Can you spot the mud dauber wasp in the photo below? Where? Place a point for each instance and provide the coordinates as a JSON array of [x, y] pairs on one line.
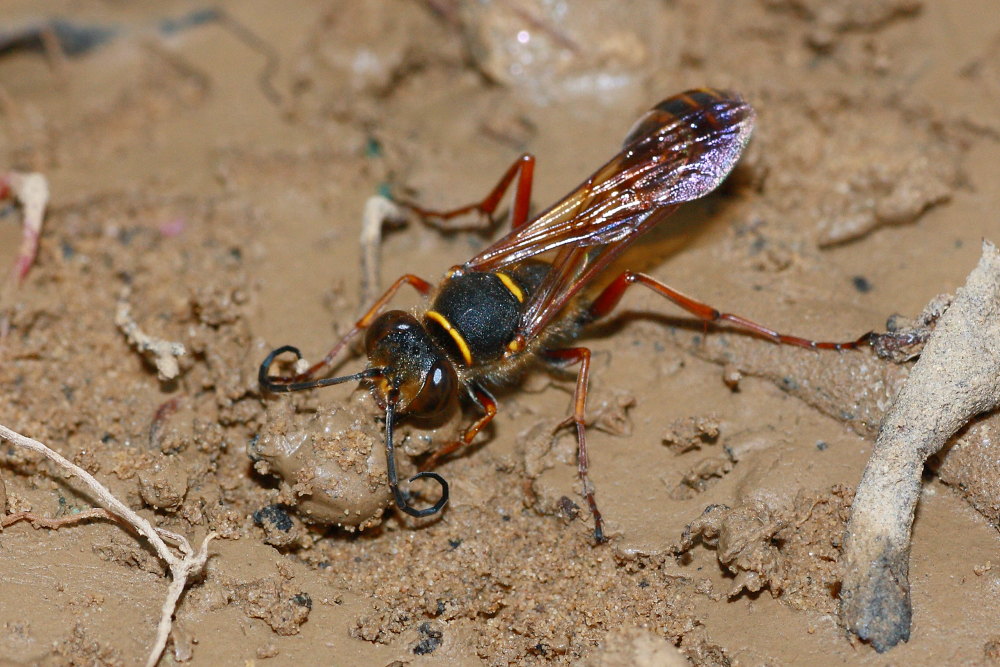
[[505, 307]]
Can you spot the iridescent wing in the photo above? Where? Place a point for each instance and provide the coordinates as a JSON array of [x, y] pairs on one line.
[[680, 150]]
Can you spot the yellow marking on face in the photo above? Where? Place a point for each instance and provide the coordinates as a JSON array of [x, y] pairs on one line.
[[509, 283], [455, 335]]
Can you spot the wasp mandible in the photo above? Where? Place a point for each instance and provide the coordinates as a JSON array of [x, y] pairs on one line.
[[519, 300]]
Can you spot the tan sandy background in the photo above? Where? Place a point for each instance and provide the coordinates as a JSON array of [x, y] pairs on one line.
[[216, 162]]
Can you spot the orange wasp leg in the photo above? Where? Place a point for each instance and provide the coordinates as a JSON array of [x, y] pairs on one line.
[[489, 405], [581, 355], [613, 293], [603, 305], [523, 168], [416, 282]]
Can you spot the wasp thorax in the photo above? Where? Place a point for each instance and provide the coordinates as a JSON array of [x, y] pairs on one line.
[[412, 366]]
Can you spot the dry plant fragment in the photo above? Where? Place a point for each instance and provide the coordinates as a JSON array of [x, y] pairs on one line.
[[163, 353], [45, 522], [379, 212], [956, 378], [32, 190], [905, 338], [181, 568]]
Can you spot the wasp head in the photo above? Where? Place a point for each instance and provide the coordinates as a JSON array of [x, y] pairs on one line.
[[413, 372]]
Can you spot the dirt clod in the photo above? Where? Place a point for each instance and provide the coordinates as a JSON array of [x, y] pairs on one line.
[[331, 463], [691, 433], [165, 485], [276, 601], [792, 551]]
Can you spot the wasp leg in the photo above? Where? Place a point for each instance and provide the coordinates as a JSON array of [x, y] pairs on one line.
[[489, 405], [523, 168], [581, 355], [417, 283], [612, 294]]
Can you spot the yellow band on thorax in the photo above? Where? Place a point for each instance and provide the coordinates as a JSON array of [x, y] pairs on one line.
[[509, 283], [455, 335]]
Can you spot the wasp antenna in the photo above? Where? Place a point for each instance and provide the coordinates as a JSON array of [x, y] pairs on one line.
[[285, 384], [390, 461]]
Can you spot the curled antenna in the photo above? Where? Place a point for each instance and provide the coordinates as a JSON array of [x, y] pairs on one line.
[[298, 383], [402, 502], [284, 384]]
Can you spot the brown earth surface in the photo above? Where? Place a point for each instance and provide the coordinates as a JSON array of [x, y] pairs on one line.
[[210, 168]]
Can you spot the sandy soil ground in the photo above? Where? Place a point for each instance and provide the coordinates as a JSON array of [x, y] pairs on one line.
[[210, 167]]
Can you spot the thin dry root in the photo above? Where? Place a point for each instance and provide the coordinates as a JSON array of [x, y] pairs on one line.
[[32, 190], [956, 378], [181, 568], [163, 353], [379, 212], [39, 521]]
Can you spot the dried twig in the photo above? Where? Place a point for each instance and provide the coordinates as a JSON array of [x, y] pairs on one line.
[[181, 568], [379, 211], [39, 521], [163, 353], [32, 190], [956, 378]]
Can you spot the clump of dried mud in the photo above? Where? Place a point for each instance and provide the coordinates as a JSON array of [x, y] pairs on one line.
[[792, 552]]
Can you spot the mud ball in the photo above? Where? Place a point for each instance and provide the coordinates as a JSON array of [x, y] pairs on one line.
[[331, 462], [165, 485]]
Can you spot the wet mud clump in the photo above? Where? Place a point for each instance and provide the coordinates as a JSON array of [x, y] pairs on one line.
[[331, 462]]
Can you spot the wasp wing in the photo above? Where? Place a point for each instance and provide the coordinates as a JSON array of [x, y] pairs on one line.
[[572, 269], [680, 150]]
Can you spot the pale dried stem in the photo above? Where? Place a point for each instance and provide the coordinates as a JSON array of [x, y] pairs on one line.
[[163, 353], [956, 378], [39, 521], [181, 568], [32, 191], [379, 212]]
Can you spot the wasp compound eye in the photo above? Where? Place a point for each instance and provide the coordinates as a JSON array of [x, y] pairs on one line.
[[411, 365], [438, 392]]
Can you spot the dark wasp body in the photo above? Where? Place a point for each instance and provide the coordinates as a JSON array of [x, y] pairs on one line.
[[507, 306], [464, 339]]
